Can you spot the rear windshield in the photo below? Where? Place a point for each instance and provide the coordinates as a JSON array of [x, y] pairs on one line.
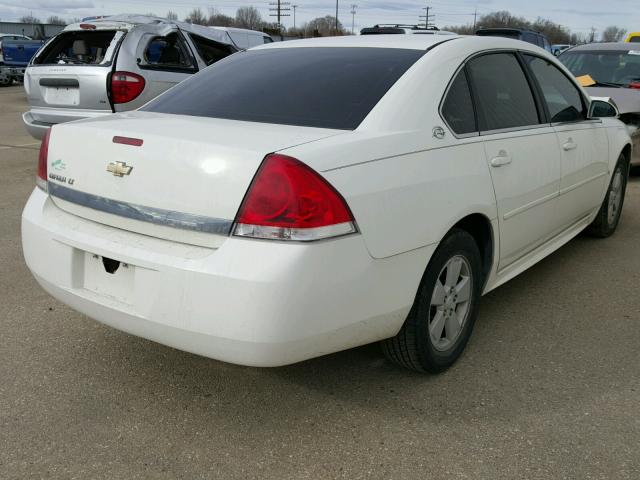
[[78, 48], [312, 87]]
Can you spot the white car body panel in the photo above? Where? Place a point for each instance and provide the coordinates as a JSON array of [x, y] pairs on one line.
[[407, 178]]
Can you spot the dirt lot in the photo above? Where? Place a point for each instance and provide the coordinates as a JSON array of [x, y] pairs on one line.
[[549, 386]]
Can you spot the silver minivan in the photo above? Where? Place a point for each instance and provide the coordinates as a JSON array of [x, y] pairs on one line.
[[114, 64]]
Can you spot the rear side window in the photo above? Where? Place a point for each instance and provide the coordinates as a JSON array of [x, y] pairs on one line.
[[313, 87], [209, 50], [457, 108], [169, 52], [562, 97], [503, 96], [79, 48]]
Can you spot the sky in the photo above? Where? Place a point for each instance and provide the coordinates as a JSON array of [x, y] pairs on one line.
[[577, 15]]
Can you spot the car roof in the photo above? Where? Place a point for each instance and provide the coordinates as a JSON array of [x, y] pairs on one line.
[[466, 43], [624, 46], [411, 42], [506, 30]]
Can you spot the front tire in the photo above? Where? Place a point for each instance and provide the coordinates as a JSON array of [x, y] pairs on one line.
[[445, 309], [608, 216]]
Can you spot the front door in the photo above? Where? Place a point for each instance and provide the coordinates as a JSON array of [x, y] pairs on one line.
[[583, 143]]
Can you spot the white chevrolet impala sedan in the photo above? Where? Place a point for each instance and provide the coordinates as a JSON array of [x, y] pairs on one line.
[[310, 196]]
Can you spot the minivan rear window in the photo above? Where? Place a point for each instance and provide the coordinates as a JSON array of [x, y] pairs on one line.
[[325, 87], [78, 48]]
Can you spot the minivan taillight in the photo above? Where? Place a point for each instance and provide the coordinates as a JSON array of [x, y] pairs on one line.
[[125, 86], [287, 200], [41, 179]]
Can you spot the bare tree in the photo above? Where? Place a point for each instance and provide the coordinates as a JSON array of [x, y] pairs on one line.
[[249, 17], [171, 15], [591, 37], [555, 32], [29, 19], [196, 17], [55, 20], [613, 33], [323, 27], [217, 19]]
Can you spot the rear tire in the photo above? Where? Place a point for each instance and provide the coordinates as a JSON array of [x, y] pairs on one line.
[[608, 216], [445, 309]]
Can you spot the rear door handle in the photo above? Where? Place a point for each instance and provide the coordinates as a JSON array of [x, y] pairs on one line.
[[570, 145], [503, 158]]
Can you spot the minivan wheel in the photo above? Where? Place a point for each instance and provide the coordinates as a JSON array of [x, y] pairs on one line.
[[608, 216], [441, 320]]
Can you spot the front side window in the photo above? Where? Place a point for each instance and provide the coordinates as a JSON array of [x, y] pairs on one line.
[[168, 52], [503, 95], [321, 87], [457, 108], [209, 50], [562, 97]]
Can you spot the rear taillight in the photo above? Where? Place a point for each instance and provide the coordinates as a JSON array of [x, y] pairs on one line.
[[635, 85], [288, 200], [41, 179], [126, 86]]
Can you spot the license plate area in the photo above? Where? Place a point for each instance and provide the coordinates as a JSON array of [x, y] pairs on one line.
[[109, 277], [62, 95]]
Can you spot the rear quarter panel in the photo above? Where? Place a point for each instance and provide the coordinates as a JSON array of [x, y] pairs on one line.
[[405, 187]]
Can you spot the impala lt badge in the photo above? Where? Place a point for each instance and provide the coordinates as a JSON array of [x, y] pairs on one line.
[[119, 169]]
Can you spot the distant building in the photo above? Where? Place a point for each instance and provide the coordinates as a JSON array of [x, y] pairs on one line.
[[37, 31]]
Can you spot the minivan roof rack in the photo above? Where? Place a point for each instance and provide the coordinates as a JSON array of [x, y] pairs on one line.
[[402, 25]]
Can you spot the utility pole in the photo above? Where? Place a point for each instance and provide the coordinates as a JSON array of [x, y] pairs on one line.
[[294, 15], [353, 16], [475, 16], [336, 17], [427, 17], [281, 9]]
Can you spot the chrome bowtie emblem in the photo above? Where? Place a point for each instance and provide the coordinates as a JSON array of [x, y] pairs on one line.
[[119, 169]]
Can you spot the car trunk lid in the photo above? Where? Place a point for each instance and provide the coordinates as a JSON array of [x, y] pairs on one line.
[[169, 176]]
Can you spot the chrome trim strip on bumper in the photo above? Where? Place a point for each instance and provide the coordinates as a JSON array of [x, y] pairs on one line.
[[169, 218]]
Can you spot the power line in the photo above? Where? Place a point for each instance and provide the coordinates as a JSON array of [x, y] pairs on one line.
[[427, 17], [353, 16], [280, 7]]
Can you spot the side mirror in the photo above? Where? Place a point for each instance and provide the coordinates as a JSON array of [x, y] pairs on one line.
[[602, 108]]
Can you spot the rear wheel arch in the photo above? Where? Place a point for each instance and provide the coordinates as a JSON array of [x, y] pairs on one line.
[[479, 227], [626, 151]]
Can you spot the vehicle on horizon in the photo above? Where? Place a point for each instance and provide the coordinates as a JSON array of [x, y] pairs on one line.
[[558, 48], [396, 28], [113, 64], [19, 48], [529, 36], [614, 70], [384, 187], [633, 37]]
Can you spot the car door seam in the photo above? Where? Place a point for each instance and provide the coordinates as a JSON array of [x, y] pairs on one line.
[[530, 205]]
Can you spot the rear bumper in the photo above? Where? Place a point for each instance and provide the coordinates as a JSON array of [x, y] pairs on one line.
[[249, 302], [38, 120]]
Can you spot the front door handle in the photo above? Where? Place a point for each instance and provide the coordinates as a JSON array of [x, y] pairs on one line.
[[570, 145], [503, 158]]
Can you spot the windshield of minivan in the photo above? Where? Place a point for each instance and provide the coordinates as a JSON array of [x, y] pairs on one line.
[[616, 68], [78, 48], [314, 87]]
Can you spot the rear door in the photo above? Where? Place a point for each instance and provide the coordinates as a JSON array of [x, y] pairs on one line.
[[584, 144], [71, 71], [522, 153]]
